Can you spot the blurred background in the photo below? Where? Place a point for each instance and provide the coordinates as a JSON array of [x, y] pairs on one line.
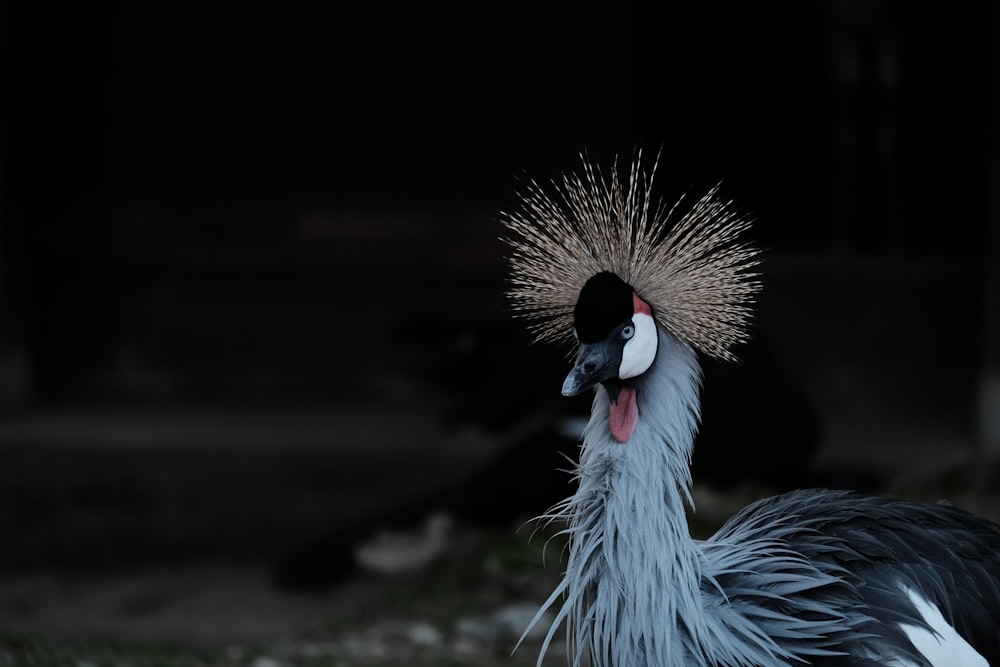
[[251, 307]]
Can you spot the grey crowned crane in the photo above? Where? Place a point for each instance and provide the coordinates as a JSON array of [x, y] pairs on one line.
[[811, 577]]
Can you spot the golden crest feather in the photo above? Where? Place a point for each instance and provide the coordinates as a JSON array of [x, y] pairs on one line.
[[696, 273]]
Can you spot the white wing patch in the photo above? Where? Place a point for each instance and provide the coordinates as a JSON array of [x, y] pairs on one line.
[[944, 647]]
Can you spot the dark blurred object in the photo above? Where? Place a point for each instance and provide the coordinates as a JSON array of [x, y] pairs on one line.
[[520, 483], [756, 424]]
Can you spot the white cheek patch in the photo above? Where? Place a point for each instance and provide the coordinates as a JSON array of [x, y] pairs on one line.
[[640, 350]]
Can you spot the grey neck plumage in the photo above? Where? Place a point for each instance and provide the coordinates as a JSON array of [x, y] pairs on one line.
[[632, 561]]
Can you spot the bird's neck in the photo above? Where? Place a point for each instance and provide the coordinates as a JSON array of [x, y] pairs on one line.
[[632, 562]]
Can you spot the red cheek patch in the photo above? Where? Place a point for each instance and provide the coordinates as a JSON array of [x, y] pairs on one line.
[[624, 415]]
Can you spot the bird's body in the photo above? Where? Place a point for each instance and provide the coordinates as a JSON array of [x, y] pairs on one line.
[[811, 577]]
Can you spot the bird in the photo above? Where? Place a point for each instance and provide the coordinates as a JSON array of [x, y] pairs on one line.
[[637, 290]]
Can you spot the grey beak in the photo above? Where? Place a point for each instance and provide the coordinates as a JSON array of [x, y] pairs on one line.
[[594, 363]]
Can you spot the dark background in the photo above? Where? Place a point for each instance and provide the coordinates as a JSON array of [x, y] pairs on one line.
[[173, 175], [290, 210]]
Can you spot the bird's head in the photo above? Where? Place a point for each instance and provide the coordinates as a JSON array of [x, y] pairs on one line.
[[598, 256], [615, 333]]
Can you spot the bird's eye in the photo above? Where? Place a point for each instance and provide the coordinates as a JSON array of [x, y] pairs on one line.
[[628, 331]]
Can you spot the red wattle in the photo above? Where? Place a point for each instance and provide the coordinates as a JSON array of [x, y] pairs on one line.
[[624, 415]]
